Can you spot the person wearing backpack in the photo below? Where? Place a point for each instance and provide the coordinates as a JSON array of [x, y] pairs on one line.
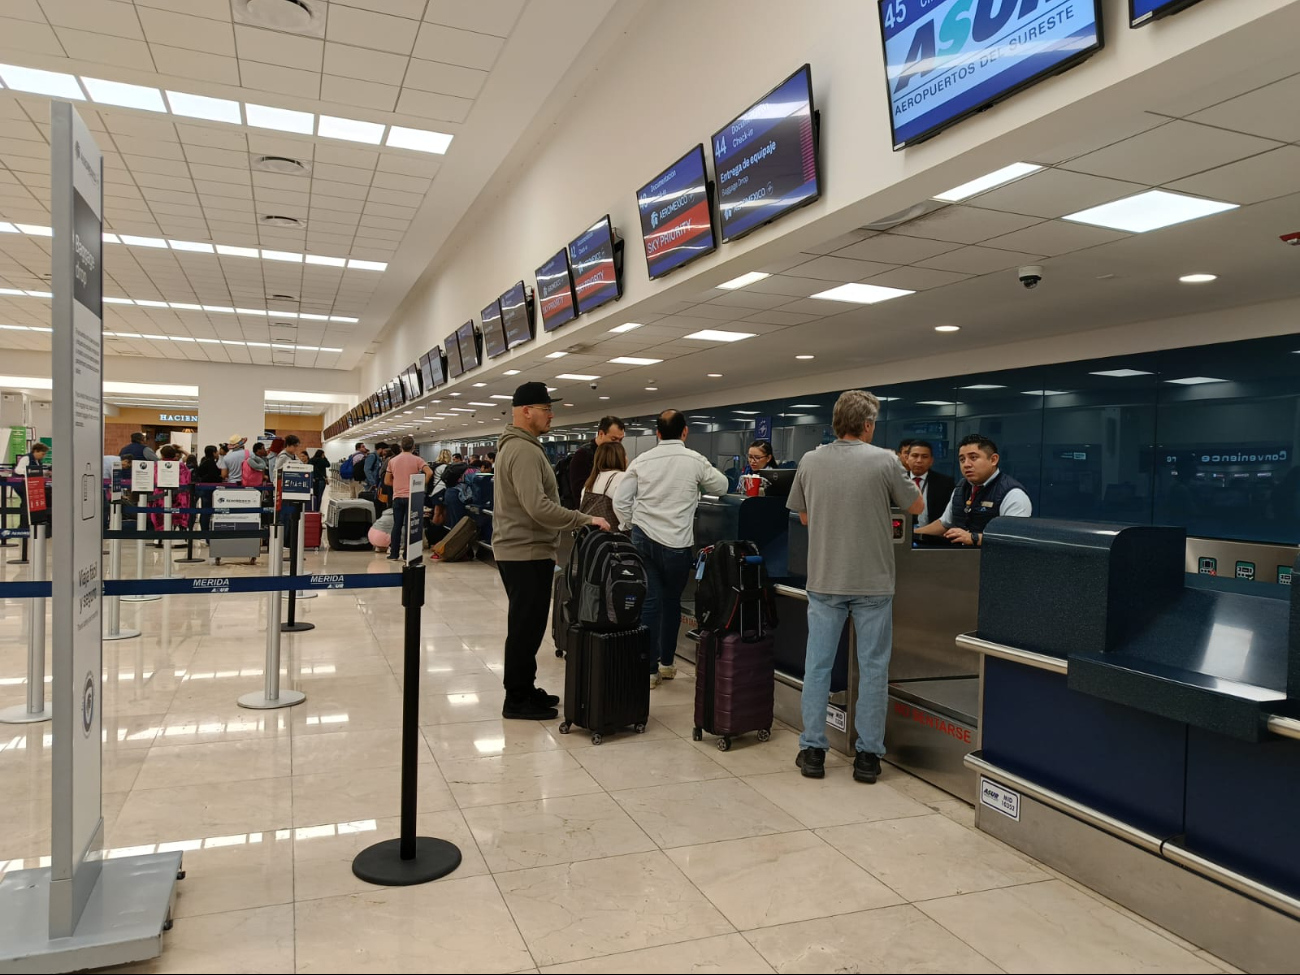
[[353, 469], [528, 519], [607, 472]]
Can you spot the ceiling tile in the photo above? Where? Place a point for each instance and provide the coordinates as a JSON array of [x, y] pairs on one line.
[[398, 8], [1117, 128], [276, 47], [1055, 237], [348, 61], [346, 156], [964, 224], [836, 269], [485, 16], [1170, 152], [25, 10], [195, 64], [109, 17], [452, 46], [781, 318], [449, 79], [365, 28], [978, 260], [220, 137], [1056, 192], [842, 241], [745, 299], [86, 45], [185, 31], [363, 94], [917, 278], [30, 37], [895, 249], [1262, 177], [1270, 111], [429, 105], [280, 80], [197, 8], [396, 181]]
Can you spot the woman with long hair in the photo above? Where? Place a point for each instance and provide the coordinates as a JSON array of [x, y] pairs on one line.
[[208, 472], [320, 475], [608, 468]]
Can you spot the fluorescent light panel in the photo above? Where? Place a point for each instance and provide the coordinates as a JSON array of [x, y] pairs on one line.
[[983, 386], [862, 294], [56, 84], [1195, 380], [123, 95], [578, 377], [1122, 373], [217, 309], [745, 279], [632, 360], [1152, 210], [1045, 392], [987, 182], [626, 327], [205, 107], [719, 335]]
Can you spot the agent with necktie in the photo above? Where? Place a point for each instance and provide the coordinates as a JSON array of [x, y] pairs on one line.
[[984, 494], [936, 488]]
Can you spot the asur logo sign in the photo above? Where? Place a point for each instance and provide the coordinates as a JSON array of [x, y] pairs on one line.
[[966, 20]]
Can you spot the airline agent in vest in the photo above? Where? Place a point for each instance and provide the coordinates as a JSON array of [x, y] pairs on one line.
[[985, 494]]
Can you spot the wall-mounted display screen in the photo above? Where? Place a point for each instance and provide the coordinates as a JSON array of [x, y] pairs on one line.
[[386, 398], [676, 219], [376, 406], [951, 58], [766, 159], [454, 365], [399, 393], [437, 367], [468, 343], [595, 276], [426, 372], [494, 337], [1144, 11], [417, 386], [555, 292], [515, 317]]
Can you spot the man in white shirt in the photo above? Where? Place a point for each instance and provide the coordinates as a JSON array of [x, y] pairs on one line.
[[984, 494], [658, 498]]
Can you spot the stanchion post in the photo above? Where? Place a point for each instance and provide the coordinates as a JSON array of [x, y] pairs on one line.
[[35, 709], [301, 554], [141, 525], [409, 859], [292, 624], [113, 607], [271, 696], [195, 525], [167, 528]]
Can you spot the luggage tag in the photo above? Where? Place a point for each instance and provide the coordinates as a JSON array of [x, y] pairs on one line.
[[699, 570]]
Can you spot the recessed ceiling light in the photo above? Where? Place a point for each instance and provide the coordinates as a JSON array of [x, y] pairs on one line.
[[576, 376], [1122, 373], [715, 375], [746, 412], [8, 228], [997, 178], [355, 265], [626, 327], [935, 402], [556, 355], [327, 261], [806, 406], [479, 385], [204, 107], [568, 404], [604, 397], [226, 250], [652, 389], [482, 404], [1195, 380], [947, 328], [862, 294], [719, 335], [632, 360], [1045, 392], [123, 95], [501, 396], [195, 246], [184, 306], [1148, 211], [147, 303], [983, 386], [56, 84], [748, 278], [143, 241], [805, 357], [1198, 278], [280, 119], [350, 130], [421, 140], [36, 230], [462, 409]]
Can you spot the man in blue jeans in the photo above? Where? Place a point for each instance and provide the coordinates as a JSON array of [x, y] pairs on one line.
[[658, 497], [843, 492]]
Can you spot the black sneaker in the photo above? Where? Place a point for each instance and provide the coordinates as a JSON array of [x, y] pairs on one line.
[[812, 762], [542, 699], [866, 767], [528, 710]]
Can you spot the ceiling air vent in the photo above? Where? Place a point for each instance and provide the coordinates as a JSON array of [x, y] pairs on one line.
[[284, 165], [298, 16], [276, 220]]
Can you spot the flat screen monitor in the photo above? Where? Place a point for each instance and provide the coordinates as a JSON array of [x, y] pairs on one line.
[[426, 372], [676, 217], [1142, 12], [437, 367], [376, 406], [950, 59], [555, 292], [468, 343], [404, 384], [779, 480], [516, 317], [386, 396], [454, 366], [494, 336], [399, 394], [765, 159], [413, 374], [595, 271]]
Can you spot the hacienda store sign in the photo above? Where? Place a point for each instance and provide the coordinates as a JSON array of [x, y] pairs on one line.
[[178, 417]]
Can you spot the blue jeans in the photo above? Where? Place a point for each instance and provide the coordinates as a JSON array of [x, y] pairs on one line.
[[401, 510], [873, 622], [667, 572]]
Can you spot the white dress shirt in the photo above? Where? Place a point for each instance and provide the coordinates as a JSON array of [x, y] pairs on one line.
[[924, 517], [662, 489]]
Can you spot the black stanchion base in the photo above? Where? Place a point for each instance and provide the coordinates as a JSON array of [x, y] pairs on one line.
[[298, 627], [383, 864], [17, 562], [188, 561]]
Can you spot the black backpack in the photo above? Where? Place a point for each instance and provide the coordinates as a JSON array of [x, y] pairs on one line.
[[605, 581], [730, 574], [359, 468], [567, 499], [452, 473]]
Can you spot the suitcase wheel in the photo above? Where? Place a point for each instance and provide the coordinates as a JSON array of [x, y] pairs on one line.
[[559, 653], [764, 734], [639, 729], [597, 738], [697, 735], [564, 727], [724, 744]]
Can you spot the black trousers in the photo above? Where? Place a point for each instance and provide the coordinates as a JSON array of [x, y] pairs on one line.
[[528, 586]]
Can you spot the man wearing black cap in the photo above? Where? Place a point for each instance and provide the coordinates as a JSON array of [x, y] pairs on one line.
[[527, 519]]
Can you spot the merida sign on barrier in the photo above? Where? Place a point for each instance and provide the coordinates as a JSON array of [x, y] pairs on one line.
[[947, 59]]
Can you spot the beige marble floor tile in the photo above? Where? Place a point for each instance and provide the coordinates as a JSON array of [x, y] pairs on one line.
[[234, 873], [343, 750], [202, 811], [765, 880], [749, 756], [724, 953], [224, 721], [597, 907], [322, 855], [962, 813], [457, 926], [236, 942], [345, 795], [686, 813], [834, 800], [923, 857], [679, 717], [461, 707], [1050, 927], [1222, 965], [516, 778], [543, 832], [886, 940], [29, 775], [581, 738], [645, 763], [910, 786], [468, 740], [220, 761]]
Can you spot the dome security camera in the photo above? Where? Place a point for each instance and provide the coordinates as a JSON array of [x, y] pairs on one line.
[[1030, 276]]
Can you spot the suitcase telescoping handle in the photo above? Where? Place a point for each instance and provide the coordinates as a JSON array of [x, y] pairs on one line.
[[745, 595]]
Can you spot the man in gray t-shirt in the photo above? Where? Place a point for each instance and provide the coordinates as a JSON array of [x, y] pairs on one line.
[[232, 465], [843, 493]]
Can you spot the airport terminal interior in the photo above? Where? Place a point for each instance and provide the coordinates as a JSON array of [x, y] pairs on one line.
[[235, 737]]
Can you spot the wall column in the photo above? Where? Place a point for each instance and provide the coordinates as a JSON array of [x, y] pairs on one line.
[[231, 402]]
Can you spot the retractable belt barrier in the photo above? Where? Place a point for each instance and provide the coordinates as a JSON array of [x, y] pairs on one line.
[[158, 534], [218, 584]]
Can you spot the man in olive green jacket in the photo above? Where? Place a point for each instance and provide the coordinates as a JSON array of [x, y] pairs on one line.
[[527, 519]]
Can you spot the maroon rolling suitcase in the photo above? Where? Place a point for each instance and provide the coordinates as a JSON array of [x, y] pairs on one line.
[[311, 529], [735, 671]]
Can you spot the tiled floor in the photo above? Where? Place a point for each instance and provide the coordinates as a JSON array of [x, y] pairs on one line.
[[649, 853]]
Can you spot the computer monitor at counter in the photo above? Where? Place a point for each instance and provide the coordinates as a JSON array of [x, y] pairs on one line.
[[779, 481]]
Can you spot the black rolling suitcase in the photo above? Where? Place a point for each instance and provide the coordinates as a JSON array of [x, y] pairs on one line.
[[560, 621]]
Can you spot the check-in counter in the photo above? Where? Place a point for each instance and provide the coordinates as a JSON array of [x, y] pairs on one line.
[[1140, 727]]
